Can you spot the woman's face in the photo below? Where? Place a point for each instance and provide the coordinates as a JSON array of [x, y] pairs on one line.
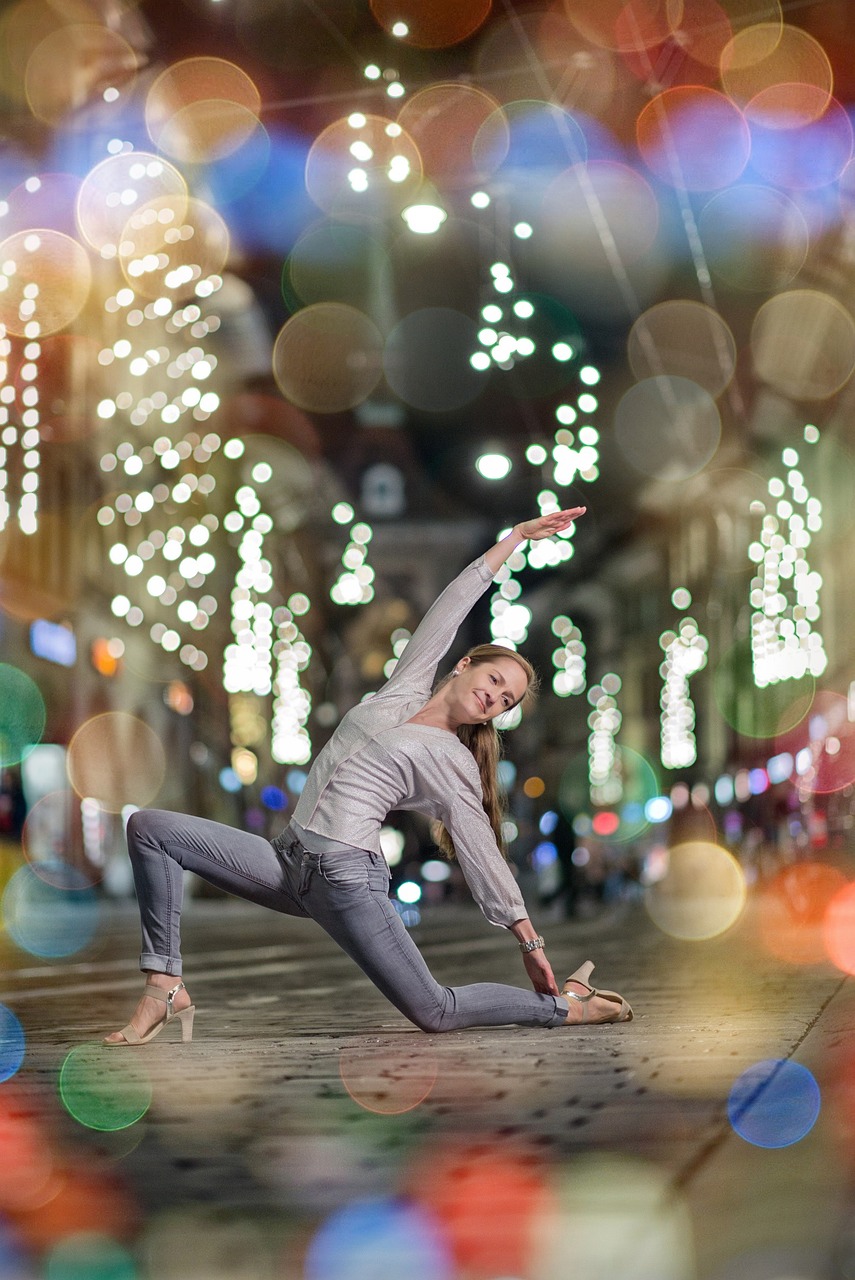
[[484, 690]]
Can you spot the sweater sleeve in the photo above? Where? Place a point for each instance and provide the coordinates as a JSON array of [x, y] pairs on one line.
[[416, 668], [485, 870]]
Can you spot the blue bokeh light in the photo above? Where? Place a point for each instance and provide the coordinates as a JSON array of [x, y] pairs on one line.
[[774, 1103], [548, 822], [45, 920], [12, 1043], [382, 1237], [658, 809], [229, 780], [274, 798], [543, 855]]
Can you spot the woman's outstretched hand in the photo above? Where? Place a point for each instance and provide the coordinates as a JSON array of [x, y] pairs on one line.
[[548, 525], [540, 972]]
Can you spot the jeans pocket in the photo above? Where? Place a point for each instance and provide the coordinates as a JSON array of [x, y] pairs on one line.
[[378, 880], [345, 873]]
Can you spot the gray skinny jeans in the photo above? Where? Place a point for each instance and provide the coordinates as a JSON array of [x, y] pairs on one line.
[[348, 896]]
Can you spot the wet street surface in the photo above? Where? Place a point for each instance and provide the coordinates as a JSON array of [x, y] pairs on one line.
[[303, 1092]]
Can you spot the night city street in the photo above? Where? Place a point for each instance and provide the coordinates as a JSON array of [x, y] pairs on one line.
[[426, 522]]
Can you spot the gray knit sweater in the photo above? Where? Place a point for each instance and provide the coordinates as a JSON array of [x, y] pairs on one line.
[[375, 763]]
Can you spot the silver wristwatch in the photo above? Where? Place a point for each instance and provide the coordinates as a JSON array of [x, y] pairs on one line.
[[533, 944]]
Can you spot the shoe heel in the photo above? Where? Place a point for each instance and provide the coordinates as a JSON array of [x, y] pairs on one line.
[[583, 973], [186, 1017]]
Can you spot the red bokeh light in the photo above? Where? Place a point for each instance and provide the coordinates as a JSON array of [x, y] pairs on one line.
[[792, 908], [489, 1204]]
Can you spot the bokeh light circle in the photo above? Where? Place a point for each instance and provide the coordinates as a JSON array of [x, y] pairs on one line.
[[758, 712], [616, 1216], [792, 908], [701, 895], [12, 1043], [336, 262], [52, 840], [626, 25], [47, 921], [785, 71], [623, 817], [667, 427], [754, 237], [594, 212], [117, 760], [803, 344], [45, 277], [532, 139], [169, 244], [387, 1082], [522, 55], [27, 1177], [685, 339], [464, 1185], [426, 360], [22, 714], [72, 63], [693, 137], [363, 165], [691, 52], [443, 121], [829, 735], [119, 185], [802, 157], [380, 1236], [774, 1103], [431, 26], [43, 200], [202, 109], [88, 1255], [102, 1090], [838, 929], [328, 357]]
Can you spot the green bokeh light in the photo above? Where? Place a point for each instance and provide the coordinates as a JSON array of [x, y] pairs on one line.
[[89, 1256], [22, 714], [758, 713], [639, 784], [102, 1089]]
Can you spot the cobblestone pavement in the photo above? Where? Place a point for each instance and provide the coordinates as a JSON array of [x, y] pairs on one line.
[[303, 1092]]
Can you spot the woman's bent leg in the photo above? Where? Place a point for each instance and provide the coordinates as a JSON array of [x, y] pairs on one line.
[[366, 925], [163, 845]]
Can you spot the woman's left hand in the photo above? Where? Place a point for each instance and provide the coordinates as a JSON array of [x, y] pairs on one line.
[[540, 972], [548, 525]]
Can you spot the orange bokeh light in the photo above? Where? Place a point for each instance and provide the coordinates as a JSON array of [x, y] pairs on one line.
[[839, 929], [792, 908]]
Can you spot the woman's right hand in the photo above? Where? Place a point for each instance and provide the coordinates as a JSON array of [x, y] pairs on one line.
[[548, 525]]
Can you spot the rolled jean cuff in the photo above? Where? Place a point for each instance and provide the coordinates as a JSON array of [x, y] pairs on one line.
[[562, 1008], [160, 964]]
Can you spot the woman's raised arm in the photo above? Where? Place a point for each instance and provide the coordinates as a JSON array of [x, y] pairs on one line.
[[541, 527]]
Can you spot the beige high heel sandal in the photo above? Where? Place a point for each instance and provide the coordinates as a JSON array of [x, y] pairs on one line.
[[185, 1016], [623, 1013]]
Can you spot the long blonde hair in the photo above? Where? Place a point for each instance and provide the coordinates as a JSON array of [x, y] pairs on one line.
[[485, 744]]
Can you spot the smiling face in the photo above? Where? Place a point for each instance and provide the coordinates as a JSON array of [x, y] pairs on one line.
[[483, 690]]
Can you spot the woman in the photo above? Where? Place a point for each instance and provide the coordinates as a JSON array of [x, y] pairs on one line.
[[404, 748]]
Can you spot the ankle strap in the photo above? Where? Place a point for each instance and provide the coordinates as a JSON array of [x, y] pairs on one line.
[[157, 993]]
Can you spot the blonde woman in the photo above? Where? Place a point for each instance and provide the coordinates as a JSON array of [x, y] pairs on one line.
[[410, 746]]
